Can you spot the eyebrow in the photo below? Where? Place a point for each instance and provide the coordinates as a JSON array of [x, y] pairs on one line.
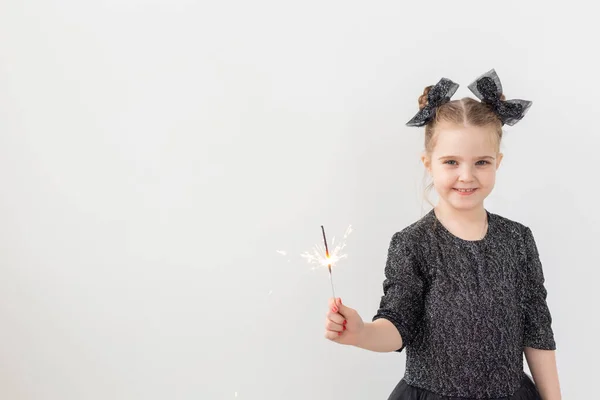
[[458, 157]]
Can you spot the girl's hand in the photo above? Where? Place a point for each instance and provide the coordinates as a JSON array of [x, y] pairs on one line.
[[343, 324]]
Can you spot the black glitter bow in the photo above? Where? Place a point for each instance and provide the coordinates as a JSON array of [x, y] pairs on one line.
[[439, 94], [488, 89]]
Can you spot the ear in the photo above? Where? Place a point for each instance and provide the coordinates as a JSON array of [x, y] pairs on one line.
[[426, 161], [499, 160]]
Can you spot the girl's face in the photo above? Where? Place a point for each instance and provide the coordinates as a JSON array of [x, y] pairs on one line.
[[464, 157]]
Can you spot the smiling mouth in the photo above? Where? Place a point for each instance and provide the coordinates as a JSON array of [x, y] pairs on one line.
[[465, 190]]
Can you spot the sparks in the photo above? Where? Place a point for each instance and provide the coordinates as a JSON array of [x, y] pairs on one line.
[[318, 257]]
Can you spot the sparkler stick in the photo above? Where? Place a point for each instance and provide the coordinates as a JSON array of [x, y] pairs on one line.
[[329, 261]]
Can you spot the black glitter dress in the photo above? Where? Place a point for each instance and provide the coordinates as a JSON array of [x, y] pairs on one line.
[[466, 310], [404, 391]]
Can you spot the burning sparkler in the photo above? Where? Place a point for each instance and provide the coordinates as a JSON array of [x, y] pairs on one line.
[[322, 257]]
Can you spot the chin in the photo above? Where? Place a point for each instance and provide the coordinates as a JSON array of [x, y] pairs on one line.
[[465, 203]]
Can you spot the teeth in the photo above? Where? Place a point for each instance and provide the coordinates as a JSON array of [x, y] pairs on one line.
[[465, 190]]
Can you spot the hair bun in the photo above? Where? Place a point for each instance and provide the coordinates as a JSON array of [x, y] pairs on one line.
[[423, 99]]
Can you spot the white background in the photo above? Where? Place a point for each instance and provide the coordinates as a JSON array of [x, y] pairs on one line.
[[155, 156]]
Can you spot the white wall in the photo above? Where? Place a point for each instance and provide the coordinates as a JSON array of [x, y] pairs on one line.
[[155, 155]]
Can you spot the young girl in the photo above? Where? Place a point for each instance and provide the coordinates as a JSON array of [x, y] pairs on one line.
[[464, 288]]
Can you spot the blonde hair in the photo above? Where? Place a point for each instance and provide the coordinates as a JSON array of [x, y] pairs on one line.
[[466, 111]]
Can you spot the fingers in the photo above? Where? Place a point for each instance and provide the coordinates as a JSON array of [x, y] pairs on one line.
[[335, 317], [335, 324], [332, 302], [332, 335], [335, 302], [333, 331], [335, 327], [336, 305], [334, 314]]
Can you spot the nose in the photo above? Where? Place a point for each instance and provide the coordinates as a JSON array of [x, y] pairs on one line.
[[466, 173]]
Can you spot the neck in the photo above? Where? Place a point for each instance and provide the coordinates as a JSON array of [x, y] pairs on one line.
[[468, 224], [471, 216]]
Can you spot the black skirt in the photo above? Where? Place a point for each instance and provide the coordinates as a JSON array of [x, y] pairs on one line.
[[404, 391]]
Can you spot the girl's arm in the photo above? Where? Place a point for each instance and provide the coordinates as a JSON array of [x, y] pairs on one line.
[[542, 364], [380, 336]]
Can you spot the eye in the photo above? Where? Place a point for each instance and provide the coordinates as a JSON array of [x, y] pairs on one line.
[[449, 162]]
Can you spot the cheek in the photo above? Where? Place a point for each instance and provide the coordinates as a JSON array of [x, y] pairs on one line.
[[487, 176], [445, 180], [446, 174]]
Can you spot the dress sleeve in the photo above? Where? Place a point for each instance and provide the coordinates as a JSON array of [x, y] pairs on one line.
[[538, 332], [402, 300]]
